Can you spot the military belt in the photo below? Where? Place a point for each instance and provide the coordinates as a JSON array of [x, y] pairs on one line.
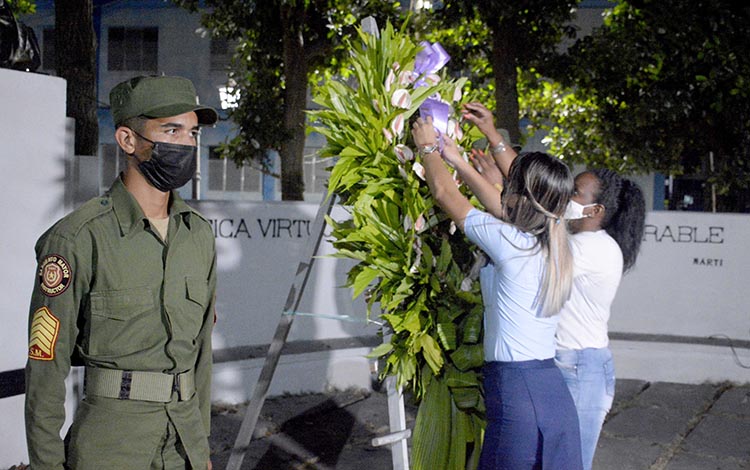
[[139, 385]]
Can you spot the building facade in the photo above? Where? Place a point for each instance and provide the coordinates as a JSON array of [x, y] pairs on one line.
[[146, 37]]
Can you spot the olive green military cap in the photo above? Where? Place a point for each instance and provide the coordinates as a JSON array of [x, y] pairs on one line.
[[157, 97]]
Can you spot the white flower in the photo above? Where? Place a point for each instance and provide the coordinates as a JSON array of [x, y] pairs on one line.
[[419, 170], [457, 94], [418, 250], [406, 77], [388, 135], [389, 80], [407, 223], [466, 284], [403, 173], [432, 78], [397, 126], [376, 105], [454, 130], [419, 224], [452, 228], [403, 153], [401, 99]]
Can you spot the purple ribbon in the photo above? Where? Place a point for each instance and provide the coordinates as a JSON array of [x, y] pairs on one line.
[[430, 59], [439, 112]]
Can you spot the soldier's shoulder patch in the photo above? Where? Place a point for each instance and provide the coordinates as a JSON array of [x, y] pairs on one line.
[[54, 275], [43, 335]]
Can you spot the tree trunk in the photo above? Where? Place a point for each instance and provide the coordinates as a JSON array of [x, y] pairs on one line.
[[295, 101], [503, 59], [75, 61]]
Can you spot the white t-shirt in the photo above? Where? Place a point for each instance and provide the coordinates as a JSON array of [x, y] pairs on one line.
[[598, 269], [514, 327]]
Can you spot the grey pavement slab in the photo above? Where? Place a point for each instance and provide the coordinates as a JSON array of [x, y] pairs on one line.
[[654, 424], [614, 453], [723, 436], [625, 391], [689, 398], [687, 461], [735, 401]]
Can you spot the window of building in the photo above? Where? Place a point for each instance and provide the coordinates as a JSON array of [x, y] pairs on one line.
[[222, 50], [316, 171], [133, 49], [48, 49], [225, 175]]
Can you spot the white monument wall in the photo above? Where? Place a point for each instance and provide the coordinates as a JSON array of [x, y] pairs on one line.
[[687, 294], [259, 247], [36, 144]]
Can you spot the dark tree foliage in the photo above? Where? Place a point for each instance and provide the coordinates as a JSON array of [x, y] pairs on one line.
[[282, 45], [490, 40], [671, 82]]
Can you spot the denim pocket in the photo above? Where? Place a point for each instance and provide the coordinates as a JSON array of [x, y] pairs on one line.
[[566, 361], [609, 376]]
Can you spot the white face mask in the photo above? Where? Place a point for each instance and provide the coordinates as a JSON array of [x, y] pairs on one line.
[[575, 210]]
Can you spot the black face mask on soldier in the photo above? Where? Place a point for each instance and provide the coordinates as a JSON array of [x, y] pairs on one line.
[[170, 165]]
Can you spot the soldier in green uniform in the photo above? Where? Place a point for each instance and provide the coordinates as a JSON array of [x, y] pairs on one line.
[[126, 288]]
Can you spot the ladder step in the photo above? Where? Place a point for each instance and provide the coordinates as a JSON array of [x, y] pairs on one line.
[[391, 438]]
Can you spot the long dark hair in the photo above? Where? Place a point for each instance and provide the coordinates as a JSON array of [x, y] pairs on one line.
[[542, 186], [624, 212]]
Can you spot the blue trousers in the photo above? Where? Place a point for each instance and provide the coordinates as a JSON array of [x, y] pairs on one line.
[[531, 419], [590, 376]]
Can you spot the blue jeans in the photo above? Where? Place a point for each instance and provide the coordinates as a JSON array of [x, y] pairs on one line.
[[531, 418], [590, 376]]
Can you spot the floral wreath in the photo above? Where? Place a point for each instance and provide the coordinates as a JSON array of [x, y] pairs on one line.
[[412, 264]]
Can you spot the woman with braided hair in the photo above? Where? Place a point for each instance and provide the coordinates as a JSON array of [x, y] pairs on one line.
[[606, 215]]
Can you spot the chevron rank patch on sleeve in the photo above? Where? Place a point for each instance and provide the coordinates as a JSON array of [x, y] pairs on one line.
[[43, 336]]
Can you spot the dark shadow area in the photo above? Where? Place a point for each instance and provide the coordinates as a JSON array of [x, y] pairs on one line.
[[314, 431], [12, 383], [319, 433]]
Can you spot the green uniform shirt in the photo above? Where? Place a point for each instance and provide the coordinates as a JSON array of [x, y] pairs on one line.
[[111, 294]]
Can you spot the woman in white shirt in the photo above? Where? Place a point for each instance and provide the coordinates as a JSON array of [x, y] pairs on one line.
[[606, 216], [531, 417]]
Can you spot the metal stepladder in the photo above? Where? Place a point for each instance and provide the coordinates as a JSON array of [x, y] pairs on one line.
[[396, 411]]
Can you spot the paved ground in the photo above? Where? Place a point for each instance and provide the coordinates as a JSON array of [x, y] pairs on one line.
[[652, 426]]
